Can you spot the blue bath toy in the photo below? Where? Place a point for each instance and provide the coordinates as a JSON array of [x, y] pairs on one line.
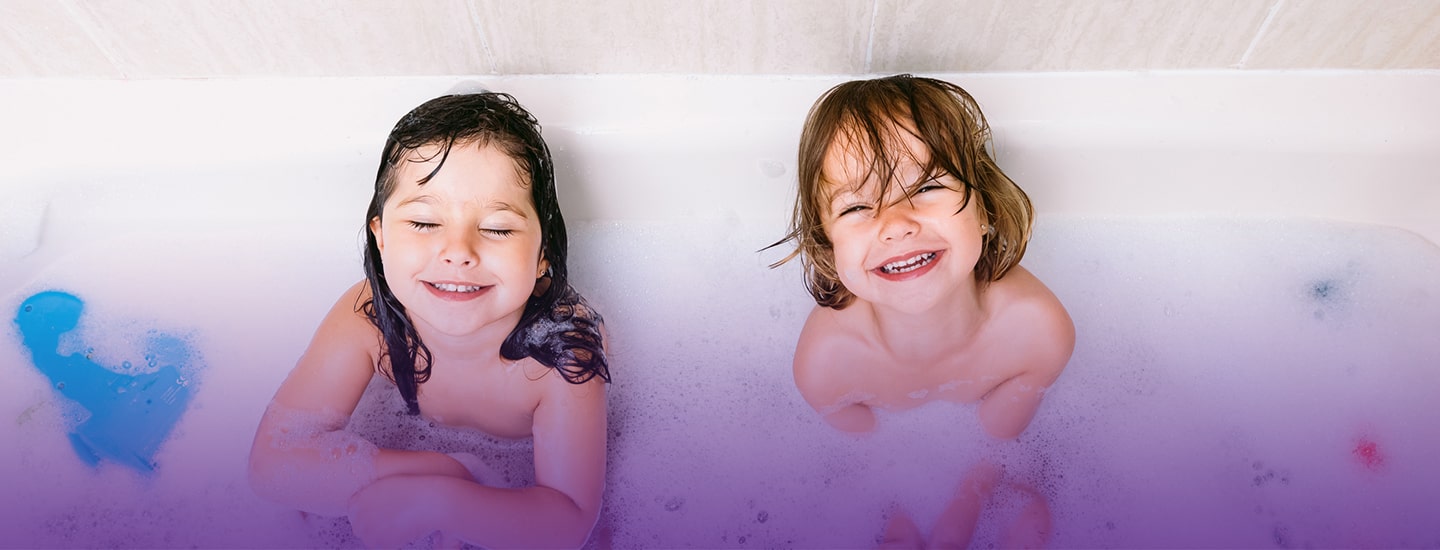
[[130, 415]]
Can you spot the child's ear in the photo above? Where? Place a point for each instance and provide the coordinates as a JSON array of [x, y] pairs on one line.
[[375, 230], [542, 279]]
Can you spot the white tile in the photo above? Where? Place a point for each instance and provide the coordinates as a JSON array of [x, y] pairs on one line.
[[201, 38], [183, 38], [40, 38], [658, 36], [1351, 34], [1055, 35]]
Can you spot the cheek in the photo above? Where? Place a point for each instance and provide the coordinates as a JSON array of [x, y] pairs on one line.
[[402, 252], [851, 276], [849, 259], [968, 243], [962, 230], [521, 259]]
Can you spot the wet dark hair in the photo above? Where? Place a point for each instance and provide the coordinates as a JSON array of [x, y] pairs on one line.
[[867, 116], [557, 327]]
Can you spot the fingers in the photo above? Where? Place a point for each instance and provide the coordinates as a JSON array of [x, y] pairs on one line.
[[1031, 529], [980, 481], [956, 524], [901, 533]]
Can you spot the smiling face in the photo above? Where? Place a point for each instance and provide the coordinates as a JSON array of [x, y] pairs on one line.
[[910, 249], [461, 252]]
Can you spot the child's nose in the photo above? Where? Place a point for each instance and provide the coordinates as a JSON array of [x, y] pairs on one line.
[[896, 222], [460, 249]]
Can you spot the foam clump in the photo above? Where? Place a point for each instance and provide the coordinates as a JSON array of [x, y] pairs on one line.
[[315, 465], [347, 445], [381, 418]]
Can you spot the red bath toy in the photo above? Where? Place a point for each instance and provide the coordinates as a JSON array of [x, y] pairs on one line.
[[1368, 453]]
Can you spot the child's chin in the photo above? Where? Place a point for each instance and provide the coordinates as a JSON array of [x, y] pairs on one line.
[[457, 331], [898, 300], [467, 327], [912, 308], [454, 327]]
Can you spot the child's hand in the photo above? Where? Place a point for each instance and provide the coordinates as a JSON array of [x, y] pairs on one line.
[[980, 480], [390, 513], [480, 472], [901, 533], [956, 524]]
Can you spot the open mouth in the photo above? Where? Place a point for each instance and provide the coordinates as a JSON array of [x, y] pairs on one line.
[[447, 287], [909, 267], [909, 264], [456, 291]]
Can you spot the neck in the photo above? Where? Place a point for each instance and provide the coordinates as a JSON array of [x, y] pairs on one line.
[[479, 347], [920, 338]]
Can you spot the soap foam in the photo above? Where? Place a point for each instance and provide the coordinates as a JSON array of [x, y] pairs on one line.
[[339, 462], [1228, 379]]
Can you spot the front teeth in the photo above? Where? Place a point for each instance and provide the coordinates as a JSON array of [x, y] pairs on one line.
[[447, 287], [908, 265]]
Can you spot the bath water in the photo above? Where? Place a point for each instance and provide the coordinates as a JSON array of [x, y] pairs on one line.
[[1235, 383]]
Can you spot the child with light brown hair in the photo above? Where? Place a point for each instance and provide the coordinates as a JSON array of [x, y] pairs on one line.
[[910, 238]]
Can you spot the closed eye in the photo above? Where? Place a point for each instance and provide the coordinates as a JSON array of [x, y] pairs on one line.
[[928, 185], [498, 232], [423, 226]]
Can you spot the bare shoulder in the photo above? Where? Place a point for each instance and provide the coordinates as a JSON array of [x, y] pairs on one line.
[[554, 391], [346, 329], [1031, 337], [1025, 306], [340, 359], [824, 358]]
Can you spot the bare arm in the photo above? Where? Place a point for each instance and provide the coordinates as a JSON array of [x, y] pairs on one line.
[[1007, 409], [559, 511], [302, 456], [815, 370]]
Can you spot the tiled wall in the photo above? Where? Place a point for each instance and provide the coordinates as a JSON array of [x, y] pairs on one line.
[[207, 38]]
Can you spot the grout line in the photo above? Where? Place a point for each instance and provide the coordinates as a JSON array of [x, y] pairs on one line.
[[480, 32], [1260, 33], [870, 41], [94, 34]]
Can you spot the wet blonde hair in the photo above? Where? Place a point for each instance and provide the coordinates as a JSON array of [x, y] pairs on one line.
[[866, 116]]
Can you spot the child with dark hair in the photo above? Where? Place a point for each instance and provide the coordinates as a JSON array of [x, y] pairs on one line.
[[467, 309], [910, 238]]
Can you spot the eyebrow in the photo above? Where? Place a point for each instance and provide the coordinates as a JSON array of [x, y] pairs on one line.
[[502, 205], [492, 205], [423, 199], [843, 200], [843, 195]]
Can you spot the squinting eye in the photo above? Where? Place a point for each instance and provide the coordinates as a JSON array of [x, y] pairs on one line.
[[423, 225], [852, 209], [928, 187]]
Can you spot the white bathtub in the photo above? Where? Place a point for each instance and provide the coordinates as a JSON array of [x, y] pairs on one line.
[[227, 211]]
